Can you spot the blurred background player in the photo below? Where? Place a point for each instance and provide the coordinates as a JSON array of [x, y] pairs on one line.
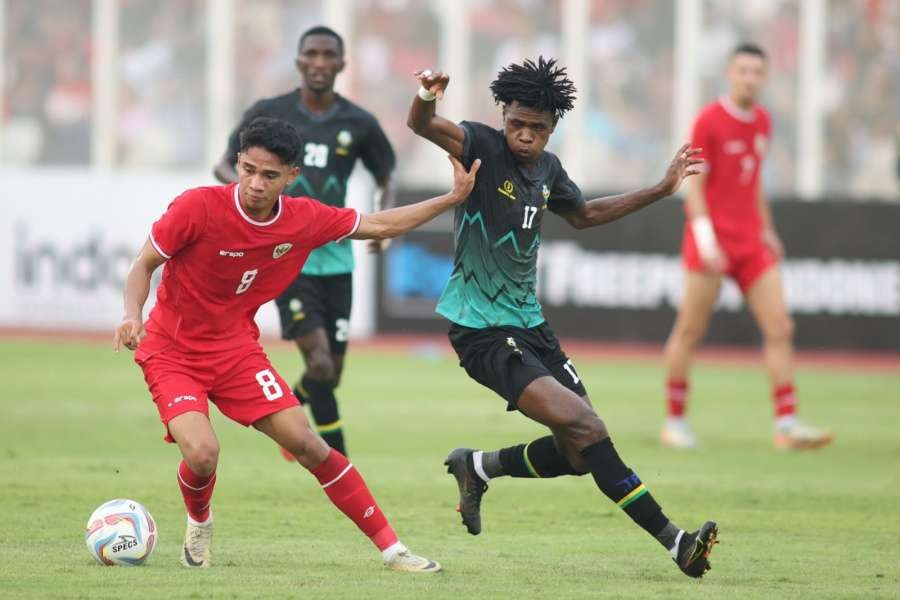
[[729, 231], [497, 325], [315, 309], [228, 250]]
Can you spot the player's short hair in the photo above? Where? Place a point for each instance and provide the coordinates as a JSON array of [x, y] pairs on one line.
[[277, 136], [748, 48], [542, 86], [321, 30]]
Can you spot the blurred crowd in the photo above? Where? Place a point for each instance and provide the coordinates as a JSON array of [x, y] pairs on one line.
[[863, 98], [47, 82], [627, 103]]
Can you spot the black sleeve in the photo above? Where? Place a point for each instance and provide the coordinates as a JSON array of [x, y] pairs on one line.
[[376, 152], [234, 142], [565, 195], [481, 142]]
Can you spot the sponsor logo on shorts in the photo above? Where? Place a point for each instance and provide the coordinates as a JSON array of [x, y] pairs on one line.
[[184, 398], [281, 249], [296, 308], [231, 253]]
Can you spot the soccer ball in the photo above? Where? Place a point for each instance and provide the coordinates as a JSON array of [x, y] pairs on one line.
[[120, 532]]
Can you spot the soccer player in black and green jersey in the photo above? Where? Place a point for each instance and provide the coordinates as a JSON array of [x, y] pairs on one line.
[[498, 329], [315, 309]]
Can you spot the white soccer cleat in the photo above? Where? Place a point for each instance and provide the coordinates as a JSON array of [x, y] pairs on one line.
[[677, 433], [197, 553], [406, 561], [801, 436]]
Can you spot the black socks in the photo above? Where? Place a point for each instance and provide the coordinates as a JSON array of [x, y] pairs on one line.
[[319, 395]]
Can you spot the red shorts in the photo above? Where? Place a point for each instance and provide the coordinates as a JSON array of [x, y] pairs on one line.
[[748, 258], [241, 382]]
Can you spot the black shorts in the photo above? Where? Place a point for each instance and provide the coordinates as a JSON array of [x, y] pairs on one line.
[[318, 302], [507, 359]]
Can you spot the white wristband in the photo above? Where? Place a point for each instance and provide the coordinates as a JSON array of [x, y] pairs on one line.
[[704, 236], [426, 95]]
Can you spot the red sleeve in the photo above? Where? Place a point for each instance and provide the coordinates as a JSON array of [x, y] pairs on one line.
[[331, 224], [702, 137], [766, 123], [180, 225]]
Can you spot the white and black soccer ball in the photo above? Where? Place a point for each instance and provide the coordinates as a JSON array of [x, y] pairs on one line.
[[120, 532]]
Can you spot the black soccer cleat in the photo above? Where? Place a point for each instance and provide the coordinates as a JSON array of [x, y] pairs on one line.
[[694, 549], [471, 488]]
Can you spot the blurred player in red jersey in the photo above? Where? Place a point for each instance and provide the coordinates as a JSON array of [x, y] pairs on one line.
[[729, 231], [228, 250]]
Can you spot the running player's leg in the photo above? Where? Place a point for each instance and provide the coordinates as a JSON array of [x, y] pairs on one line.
[[179, 384], [529, 369], [304, 311], [701, 289], [765, 297], [199, 447], [584, 437], [343, 485], [337, 300], [318, 384]]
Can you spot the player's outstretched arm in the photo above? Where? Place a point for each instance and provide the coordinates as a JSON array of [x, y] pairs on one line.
[[425, 122], [137, 287], [397, 221], [609, 208]]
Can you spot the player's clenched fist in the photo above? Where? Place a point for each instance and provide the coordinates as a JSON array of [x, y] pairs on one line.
[[434, 82], [129, 334]]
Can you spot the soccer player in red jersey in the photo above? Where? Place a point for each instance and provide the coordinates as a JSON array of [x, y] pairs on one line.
[[729, 231], [228, 250]]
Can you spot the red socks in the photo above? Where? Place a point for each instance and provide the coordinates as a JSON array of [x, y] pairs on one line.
[[785, 399], [346, 489], [676, 397], [197, 492]]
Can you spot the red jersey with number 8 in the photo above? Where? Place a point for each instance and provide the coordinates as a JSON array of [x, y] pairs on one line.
[[223, 265], [734, 143]]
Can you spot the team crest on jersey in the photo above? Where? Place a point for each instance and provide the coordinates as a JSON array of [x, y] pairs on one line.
[[508, 189], [281, 249], [759, 144], [545, 192], [344, 139]]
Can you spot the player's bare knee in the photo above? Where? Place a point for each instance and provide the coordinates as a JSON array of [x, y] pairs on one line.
[[309, 448], [780, 330], [586, 431], [201, 457], [690, 334], [320, 367]]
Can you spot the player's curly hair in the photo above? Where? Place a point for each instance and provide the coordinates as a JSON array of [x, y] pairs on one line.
[[277, 136], [543, 86]]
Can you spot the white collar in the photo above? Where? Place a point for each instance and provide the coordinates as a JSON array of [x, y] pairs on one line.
[[747, 116], [240, 209]]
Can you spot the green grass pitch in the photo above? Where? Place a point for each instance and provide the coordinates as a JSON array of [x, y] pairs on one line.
[[77, 428]]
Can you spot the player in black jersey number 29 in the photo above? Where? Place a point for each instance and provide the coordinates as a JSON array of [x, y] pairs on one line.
[[498, 329], [315, 309]]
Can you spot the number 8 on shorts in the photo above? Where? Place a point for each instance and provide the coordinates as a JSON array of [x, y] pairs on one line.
[[269, 384]]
